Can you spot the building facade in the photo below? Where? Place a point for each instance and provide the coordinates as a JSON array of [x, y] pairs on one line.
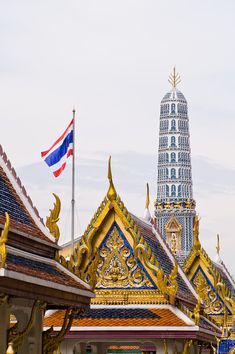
[[175, 206]]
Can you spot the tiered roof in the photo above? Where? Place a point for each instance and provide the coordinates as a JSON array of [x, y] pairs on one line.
[[136, 279], [29, 263]]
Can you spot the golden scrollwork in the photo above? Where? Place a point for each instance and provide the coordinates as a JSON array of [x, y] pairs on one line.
[[50, 343], [117, 267], [3, 240], [16, 337], [52, 220], [3, 299], [209, 296], [187, 345]]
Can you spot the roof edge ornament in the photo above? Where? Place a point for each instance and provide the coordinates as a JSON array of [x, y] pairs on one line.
[[218, 259], [3, 240], [197, 243], [147, 215], [111, 194], [174, 78], [53, 218]]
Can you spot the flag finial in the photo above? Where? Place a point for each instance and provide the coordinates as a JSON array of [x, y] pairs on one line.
[[111, 191], [174, 78]]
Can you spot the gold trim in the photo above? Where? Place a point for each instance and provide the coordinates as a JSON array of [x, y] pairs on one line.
[[52, 220], [3, 240], [15, 337]]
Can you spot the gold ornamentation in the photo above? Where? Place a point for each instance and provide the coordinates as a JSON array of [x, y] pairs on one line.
[[10, 349], [50, 343], [188, 204], [3, 299], [127, 296], [174, 78], [187, 345], [147, 198], [218, 245], [232, 304], [165, 343], [14, 337], [112, 194], [51, 221], [209, 297], [117, 267], [197, 243], [3, 240], [173, 234]]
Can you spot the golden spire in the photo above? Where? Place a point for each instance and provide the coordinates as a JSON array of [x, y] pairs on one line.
[[112, 194], [174, 78], [147, 197]]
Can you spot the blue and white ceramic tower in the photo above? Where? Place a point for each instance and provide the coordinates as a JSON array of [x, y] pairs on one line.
[[175, 207]]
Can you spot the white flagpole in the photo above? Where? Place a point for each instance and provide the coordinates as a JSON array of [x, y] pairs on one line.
[[73, 186]]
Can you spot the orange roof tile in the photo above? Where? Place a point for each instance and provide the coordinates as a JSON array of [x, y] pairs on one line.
[[164, 318]]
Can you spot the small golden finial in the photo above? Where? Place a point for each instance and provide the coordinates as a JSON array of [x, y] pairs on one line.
[[218, 245], [147, 197], [174, 78], [112, 194]]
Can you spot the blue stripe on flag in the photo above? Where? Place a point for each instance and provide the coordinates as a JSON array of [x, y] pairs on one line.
[[62, 150]]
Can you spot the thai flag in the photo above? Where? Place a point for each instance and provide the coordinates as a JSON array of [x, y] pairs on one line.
[[56, 156]]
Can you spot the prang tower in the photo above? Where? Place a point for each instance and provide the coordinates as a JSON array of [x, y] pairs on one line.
[[175, 207]]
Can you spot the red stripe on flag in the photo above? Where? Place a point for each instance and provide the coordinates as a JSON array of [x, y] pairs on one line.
[[43, 153], [58, 172]]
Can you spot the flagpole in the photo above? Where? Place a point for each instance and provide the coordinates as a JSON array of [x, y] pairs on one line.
[[73, 186]]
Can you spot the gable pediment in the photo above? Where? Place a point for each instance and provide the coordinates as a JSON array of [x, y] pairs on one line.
[[214, 305], [117, 266]]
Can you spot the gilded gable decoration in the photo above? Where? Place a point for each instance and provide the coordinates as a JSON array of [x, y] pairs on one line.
[[117, 267], [119, 258], [173, 234]]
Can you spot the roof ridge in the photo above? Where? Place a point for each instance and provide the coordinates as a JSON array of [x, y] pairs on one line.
[[18, 181], [22, 196]]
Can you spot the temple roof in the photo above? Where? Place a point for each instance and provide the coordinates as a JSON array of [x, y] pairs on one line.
[[165, 257], [147, 319], [29, 262], [15, 201]]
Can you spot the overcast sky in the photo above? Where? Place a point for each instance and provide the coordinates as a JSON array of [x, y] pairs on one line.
[[111, 60]]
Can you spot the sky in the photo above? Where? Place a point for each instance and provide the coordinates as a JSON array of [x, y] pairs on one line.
[[111, 61]]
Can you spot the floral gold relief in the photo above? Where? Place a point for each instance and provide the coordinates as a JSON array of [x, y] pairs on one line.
[[117, 267]]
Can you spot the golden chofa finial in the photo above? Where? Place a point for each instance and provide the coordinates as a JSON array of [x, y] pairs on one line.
[[147, 198], [174, 78], [218, 245], [218, 260], [147, 215], [112, 194], [52, 220]]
